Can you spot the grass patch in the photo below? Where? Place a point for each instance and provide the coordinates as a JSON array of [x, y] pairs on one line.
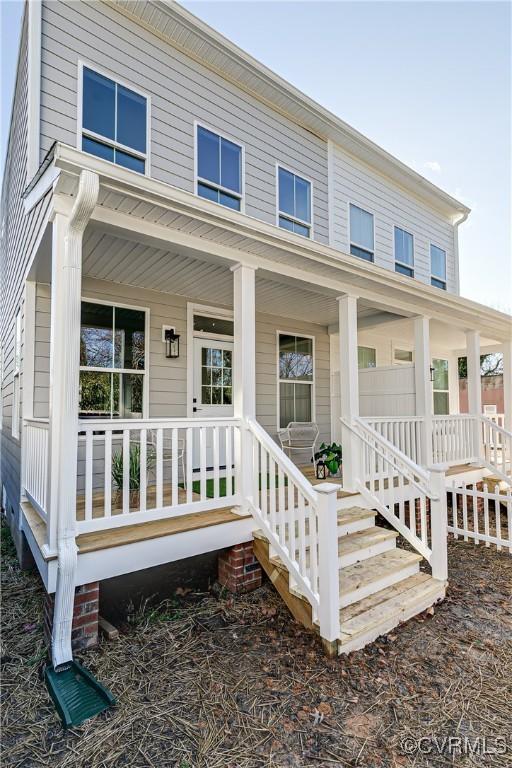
[[196, 486]]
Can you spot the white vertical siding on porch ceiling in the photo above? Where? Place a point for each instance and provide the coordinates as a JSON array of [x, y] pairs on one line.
[[181, 91], [357, 183]]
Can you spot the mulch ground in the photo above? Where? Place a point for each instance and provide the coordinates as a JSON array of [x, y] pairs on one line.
[[203, 681]]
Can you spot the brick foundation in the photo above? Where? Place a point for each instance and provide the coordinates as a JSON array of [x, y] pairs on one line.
[[84, 633], [239, 571]]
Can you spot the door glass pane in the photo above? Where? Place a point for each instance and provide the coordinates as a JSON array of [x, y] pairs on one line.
[[216, 395], [95, 395], [208, 155], [302, 199], [96, 335], [227, 356], [206, 395], [218, 325], [231, 166], [206, 376], [131, 119], [441, 403], [98, 106], [129, 338], [227, 396], [286, 192], [440, 374]]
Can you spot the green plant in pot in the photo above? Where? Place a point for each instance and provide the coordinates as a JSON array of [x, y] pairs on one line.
[[134, 473], [331, 455]]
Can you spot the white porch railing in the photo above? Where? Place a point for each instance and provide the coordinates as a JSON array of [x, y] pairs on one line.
[[407, 496], [35, 441], [497, 448], [481, 516], [132, 471], [301, 525], [453, 438], [405, 433]]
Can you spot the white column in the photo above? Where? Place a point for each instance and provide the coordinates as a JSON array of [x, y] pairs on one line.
[[64, 382], [474, 387], [349, 388], [507, 383], [424, 397], [244, 372], [453, 383], [328, 567], [438, 523]]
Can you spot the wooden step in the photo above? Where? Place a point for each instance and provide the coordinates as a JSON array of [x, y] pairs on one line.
[[365, 544], [354, 519], [367, 577], [364, 621]]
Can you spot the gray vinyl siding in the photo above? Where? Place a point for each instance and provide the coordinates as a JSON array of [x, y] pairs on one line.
[[42, 352], [357, 183], [181, 92], [168, 378]]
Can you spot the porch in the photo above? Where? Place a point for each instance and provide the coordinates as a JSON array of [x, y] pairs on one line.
[[191, 432]]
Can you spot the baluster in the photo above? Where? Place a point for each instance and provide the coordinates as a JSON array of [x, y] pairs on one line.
[[88, 474], [455, 515], [143, 469], [475, 514], [189, 447], [126, 471], [272, 484], [256, 491], [174, 467], [159, 469], [216, 462], [401, 504], [302, 532], [291, 518], [465, 512], [264, 482], [202, 463], [229, 461], [486, 519], [281, 513], [497, 512], [107, 505], [313, 547], [423, 519], [508, 503]]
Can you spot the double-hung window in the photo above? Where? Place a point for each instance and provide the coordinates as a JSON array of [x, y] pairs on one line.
[[438, 267], [15, 423], [112, 361], [362, 242], [404, 252], [296, 377], [441, 387], [219, 169], [294, 202], [114, 121]]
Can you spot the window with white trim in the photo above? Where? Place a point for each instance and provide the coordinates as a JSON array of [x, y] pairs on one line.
[[362, 239], [112, 361], [402, 356], [366, 357], [404, 252], [441, 387], [219, 169], [437, 267], [15, 423], [296, 378], [294, 202], [114, 121]]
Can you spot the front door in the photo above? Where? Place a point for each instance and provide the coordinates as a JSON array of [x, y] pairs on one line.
[[213, 392]]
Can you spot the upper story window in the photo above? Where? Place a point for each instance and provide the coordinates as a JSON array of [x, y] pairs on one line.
[[404, 252], [294, 202], [219, 169], [438, 267], [362, 242], [112, 361], [114, 121]]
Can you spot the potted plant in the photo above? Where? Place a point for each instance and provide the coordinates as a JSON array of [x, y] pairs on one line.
[[330, 456], [118, 474]]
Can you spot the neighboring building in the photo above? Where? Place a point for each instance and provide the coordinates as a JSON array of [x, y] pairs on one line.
[[493, 396], [161, 183]]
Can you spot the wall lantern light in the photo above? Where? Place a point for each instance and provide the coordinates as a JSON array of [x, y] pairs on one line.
[[172, 343], [432, 373]]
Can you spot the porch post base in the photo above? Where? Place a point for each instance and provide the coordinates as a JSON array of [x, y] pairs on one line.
[[330, 648], [239, 571]]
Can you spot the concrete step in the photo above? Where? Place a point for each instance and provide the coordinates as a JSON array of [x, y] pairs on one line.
[[367, 577], [364, 621]]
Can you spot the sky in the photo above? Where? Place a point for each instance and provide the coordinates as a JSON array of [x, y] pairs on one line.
[[429, 82]]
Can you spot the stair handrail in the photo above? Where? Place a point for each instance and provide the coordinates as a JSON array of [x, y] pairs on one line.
[[499, 467], [416, 475], [493, 425], [428, 485]]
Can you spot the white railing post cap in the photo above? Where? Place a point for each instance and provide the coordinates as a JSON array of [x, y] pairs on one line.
[[327, 488], [439, 468]]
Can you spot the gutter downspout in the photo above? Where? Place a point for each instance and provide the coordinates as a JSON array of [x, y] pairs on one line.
[[70, 278], [456, 225]]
